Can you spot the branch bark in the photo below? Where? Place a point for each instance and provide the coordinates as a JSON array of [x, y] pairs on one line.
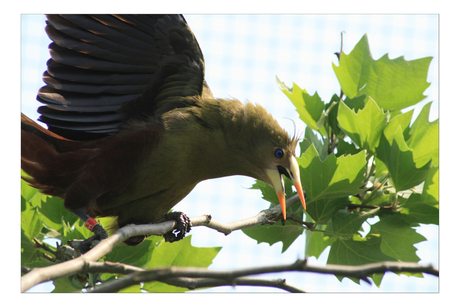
[[172, 275], [264, 217], [197, 283]]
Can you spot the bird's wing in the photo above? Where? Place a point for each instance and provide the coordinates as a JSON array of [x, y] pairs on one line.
[[105, 69]]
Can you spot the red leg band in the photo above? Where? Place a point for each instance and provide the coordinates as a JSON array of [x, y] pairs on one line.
[[90, 223]]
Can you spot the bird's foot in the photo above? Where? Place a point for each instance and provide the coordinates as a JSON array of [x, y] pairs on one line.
[[183, 226], [86, 245]]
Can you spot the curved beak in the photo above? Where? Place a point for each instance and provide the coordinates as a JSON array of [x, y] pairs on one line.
[[278, 184]]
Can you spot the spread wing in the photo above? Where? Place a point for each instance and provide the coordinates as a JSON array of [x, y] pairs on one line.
[[106, 69]]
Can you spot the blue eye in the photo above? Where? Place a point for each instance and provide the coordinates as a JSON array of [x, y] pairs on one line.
[[279, 153]]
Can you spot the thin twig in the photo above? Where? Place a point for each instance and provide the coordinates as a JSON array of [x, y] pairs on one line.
[[230, 276], [264, 217]]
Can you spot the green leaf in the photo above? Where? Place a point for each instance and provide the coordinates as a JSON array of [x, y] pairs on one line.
[[268, 193], [345, 148], [316, 243], [424, 208], [424, 138], [430, 192], [332, 178], [138, 255], [331, 116], [30, 194], [311, 138], [393, 83], [322, 210], [398, 238], [277, 233], [55, 215], [399, 160], [377, 197], [402, 120], [78, 231], [310, 108], [31, 222], [346, 223], [272, 234], [351, 252], [181, 253], [356, 103], [416, 211], [364, 127], [62, 285], [355, 69], [131, 289], [400, 83], [159, 287], [28, 251]]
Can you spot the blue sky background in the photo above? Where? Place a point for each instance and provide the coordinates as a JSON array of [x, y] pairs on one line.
[[243, 54]]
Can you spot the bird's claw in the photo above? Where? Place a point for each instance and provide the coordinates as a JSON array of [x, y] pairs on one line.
[[183, 226], [86, 245]]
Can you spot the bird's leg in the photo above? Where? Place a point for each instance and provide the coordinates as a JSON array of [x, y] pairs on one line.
[[92, 225], [183, 226]]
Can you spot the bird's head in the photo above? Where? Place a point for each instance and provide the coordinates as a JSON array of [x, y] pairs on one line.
[[276, 154], [270, 150], [246, 140]]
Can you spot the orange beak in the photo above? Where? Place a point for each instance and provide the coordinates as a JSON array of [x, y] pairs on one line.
[[278, 184]]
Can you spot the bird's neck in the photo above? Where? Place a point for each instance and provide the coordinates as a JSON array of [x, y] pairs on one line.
[[203, 141]]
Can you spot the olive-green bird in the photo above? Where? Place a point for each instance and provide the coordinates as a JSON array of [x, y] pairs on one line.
[[133, 126]]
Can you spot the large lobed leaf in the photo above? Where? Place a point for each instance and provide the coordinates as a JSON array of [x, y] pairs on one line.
[[333, 177], [399, 160], [398, 238], [310, 108], [394, 84], [272, 234], [180, 253], [424, 138], [365, 126], [357, 252]]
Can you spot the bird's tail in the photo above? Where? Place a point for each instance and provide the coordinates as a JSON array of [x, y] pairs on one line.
[[44, 156]]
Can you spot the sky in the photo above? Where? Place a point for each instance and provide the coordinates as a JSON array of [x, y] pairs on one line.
[[243, 55]]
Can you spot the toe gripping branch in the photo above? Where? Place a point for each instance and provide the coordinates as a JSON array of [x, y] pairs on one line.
[[183, 226]]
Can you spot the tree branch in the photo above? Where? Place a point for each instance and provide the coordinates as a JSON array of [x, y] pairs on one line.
[[231, 277], [197, 283], [264, 217]]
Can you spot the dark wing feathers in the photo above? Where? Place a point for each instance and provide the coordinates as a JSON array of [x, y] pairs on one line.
[[106, 69], [78, 75], [118, 44]]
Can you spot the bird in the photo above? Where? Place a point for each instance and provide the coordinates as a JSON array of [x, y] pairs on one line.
[[133, 127]]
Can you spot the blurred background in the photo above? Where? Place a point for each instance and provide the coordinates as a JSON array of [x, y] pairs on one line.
[[244, 54]]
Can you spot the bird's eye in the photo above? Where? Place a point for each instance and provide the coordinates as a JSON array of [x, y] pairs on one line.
[[279, 153]]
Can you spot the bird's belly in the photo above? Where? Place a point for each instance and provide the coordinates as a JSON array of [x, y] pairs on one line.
[[144, 203]]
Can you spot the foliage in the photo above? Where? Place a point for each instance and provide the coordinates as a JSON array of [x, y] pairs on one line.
[[363, 162], [44, 218]]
